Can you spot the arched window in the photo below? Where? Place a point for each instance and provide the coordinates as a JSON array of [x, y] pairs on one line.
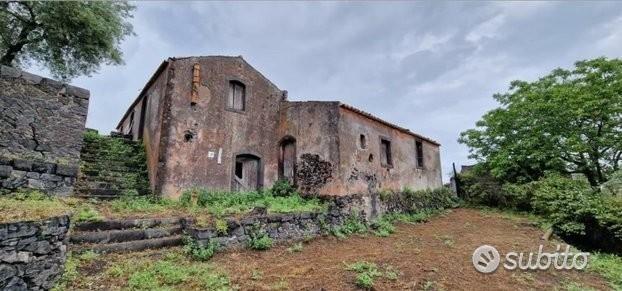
[[237, 96]]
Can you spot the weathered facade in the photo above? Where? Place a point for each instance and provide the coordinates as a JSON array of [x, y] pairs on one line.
[[216, 122]]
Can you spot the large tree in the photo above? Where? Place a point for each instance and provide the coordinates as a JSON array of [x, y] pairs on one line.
[[568, 121], [70, 38]]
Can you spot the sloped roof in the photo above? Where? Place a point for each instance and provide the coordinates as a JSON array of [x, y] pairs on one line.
[[389, 124]]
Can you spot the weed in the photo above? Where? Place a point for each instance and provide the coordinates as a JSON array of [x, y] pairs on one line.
[[297, 247], [447, 240], [87, 213], [30, 205], [256, 275], [198, 252], [258, 238], [609, 266], [367, 272], [354, 224], [365, 280], [88, 256], [221, 226]]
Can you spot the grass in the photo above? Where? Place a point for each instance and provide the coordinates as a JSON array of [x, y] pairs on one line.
[[609, 266], [143, 271], [208, 206], [367, 273], [228, 203], [295, 248], [30, 205]]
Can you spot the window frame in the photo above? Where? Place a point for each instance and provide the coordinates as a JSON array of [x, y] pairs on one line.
[[245, 96], [419, 156], [388, 163]]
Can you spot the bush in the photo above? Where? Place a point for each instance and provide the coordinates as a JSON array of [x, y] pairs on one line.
[[568, 204], [198, 252], [259, 239], [282, 188]]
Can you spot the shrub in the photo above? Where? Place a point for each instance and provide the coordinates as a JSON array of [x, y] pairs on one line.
[[259, 239], [221, 226], [353, 224], [568, 204], [282, 188], [198, 252]]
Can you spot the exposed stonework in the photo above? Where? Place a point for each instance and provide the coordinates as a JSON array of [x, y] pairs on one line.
[[218, 123], [296, 226], [41, 127], [32, 254], [312, 174]]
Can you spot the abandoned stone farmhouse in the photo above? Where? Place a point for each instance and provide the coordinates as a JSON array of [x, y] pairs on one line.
[[217, 122]]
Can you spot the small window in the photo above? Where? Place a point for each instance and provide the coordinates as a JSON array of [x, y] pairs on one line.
[[363, 141], [419, 148], [237, 96], [385, 153], [239, 169]]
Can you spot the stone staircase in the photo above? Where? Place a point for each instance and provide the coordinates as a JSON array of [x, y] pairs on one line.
[[111, 166], [127, 235]]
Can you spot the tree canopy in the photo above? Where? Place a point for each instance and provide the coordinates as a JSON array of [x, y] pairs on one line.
[[70, 38], [568, 121]]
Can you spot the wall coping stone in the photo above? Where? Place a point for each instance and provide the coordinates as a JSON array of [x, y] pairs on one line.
[[10, 72]]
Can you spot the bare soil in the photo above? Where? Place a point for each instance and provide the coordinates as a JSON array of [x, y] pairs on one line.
[[435, 255]]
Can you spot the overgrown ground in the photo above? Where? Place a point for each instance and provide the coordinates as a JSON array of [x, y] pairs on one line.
[[430, 256]]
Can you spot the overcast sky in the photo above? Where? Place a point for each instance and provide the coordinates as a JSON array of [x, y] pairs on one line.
[[430, 67]]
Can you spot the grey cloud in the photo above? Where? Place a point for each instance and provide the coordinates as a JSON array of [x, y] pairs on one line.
[[431, 67]]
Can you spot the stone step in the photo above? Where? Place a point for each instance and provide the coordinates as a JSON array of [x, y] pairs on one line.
[[120, 224], [131, 246], [124, 235]]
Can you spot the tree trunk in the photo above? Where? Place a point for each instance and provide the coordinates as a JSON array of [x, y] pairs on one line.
[[15, 49]]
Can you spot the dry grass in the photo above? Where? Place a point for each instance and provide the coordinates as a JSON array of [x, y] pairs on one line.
[[25, 210]]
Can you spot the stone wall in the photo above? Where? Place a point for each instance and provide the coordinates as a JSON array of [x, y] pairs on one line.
[[296, 226], [32, 254], [42, 122]]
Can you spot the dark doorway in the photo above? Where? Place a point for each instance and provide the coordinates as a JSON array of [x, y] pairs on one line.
[[247, 173], [287, 160]]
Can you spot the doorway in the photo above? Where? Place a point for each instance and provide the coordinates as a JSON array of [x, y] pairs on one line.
[[287, 160], [246, 173]]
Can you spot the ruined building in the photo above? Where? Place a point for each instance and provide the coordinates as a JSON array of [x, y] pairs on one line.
[[218, 123]]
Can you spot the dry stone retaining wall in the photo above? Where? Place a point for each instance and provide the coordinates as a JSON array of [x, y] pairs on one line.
[[32, 254], [42, 122]]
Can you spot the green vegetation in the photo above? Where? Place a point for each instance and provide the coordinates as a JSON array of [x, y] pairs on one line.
[[142, 271], [117, 161], [354, 224], [367, 272], [87, 213], [259, 239], [227, 203], [69, 39], [295, 248], [609, 266], [30, 205], [569, 205], [198, 252], [384, 226], [568, 122]]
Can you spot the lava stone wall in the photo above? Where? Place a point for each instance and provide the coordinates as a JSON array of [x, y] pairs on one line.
[[42, 122], [284, 227], [32, 254]]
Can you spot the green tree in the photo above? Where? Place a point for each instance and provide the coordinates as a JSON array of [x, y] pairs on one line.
[[69, 38], [568, 121]]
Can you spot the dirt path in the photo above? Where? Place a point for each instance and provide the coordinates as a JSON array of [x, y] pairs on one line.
[[433, 256]]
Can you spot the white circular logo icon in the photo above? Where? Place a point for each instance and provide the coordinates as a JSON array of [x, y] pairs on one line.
[[486, 259]]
